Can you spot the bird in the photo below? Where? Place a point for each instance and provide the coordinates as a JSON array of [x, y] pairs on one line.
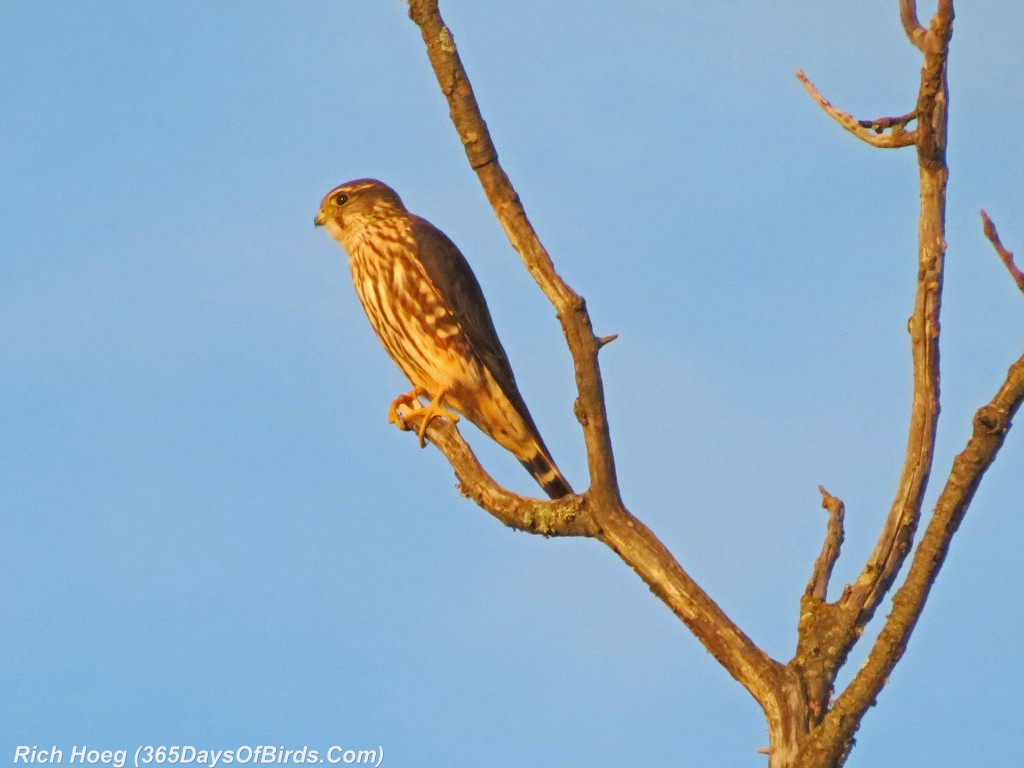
[[429, 312]]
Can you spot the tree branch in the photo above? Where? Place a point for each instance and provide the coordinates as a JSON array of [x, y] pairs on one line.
[[622, 532], [894, 543], [570, 306], [827, 632], [568, 516], [991, 424], [641, 550], [916, 34], [1004, 255], [817, 587], [859, 602], [870, 131], [803, 718]]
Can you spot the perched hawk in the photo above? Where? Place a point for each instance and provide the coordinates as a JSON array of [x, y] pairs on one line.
[[428, 311]]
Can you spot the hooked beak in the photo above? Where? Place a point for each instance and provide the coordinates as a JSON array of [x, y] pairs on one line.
[[320, 219]]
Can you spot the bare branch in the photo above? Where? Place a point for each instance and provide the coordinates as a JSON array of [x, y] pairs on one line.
[[568, 516], [916, 34], [641, 550], [827, 632], [1006, 256], [894, 543], [821, 631], [797, 698], [870, 131], [622, 532], [860, 601], [991, 424], [817, 587], [570, 306]]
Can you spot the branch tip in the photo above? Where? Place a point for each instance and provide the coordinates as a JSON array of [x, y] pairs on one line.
[[833, 504], [817, 587], [869, 131], [603, 340], [1006, 256]]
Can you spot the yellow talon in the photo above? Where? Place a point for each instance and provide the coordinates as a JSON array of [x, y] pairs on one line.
[[412, 401]]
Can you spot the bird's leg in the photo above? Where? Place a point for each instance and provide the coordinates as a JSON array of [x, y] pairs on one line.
[[433, 411], [410, 400]]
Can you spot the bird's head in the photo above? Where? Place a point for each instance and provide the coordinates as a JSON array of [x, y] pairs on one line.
[[354, 203]]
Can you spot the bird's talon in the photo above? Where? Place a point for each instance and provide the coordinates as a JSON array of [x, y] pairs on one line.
[[412, 401], [434, 410], [395, 417]]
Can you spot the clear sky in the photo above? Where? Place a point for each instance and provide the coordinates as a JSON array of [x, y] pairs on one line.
[[211, 536]]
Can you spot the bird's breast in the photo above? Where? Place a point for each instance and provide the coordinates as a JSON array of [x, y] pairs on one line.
[[411, 318]]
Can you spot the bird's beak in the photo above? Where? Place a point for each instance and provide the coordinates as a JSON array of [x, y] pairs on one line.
[[320, 219]]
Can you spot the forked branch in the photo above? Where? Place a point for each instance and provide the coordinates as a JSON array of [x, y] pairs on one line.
[[916, 34], [568, 516], [846, 619], [807, 725], [991, 424], [617, 528], [893, 544], [570, 306], [931, 114], [872, 132]]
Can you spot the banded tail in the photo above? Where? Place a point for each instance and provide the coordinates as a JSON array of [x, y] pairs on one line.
[[544, 471]]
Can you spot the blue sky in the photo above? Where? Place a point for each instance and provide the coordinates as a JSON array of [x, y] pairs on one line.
[[211, 536]]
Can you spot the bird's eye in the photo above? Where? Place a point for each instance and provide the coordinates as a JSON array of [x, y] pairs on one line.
[[340, 199]]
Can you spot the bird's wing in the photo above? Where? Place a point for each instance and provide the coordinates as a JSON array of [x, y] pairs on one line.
[[451, 275]]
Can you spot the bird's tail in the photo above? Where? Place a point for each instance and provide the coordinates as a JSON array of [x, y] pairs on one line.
[[544, 471]]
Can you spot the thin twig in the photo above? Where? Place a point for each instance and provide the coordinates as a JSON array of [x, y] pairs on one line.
[[817, 587], [865, 130], [1006, 256], [895, 124]]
